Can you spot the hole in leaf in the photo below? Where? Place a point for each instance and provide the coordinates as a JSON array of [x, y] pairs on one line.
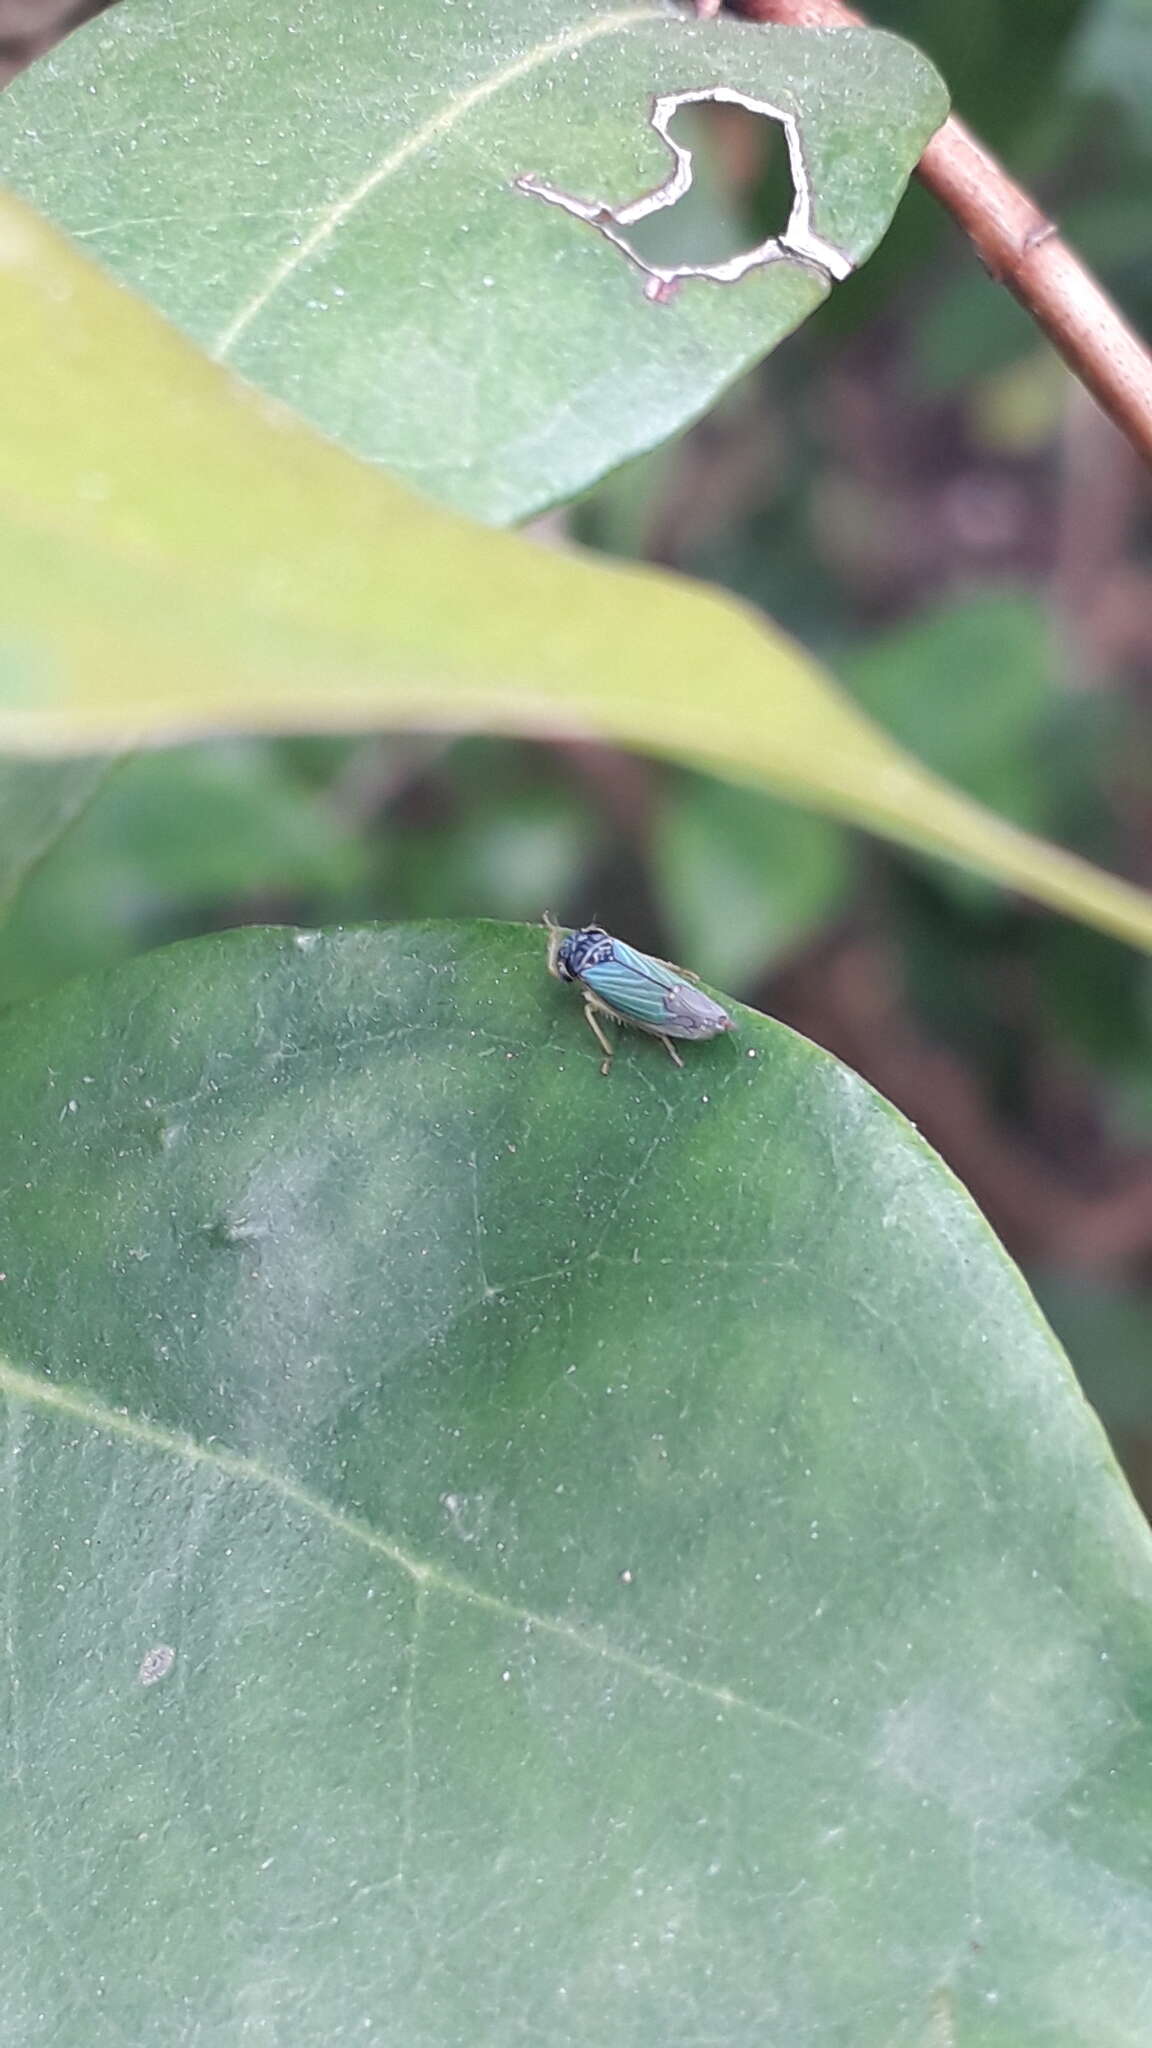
[[741, 191]]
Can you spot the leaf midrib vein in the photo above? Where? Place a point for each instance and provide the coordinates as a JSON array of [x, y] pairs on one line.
[[27, 1388], [430, 131]]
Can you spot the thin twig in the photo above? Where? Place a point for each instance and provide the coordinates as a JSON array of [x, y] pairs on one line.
[[1019, 246]]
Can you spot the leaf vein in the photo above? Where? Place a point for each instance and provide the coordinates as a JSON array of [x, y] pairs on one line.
[[438, 124], [23, 1388]]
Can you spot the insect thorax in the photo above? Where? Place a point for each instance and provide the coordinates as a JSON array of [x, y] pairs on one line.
[[589, 947]]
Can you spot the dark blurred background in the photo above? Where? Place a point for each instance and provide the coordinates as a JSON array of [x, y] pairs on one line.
[[915, 487]]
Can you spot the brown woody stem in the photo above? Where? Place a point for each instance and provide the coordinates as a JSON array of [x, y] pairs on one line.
[[1019, 246]]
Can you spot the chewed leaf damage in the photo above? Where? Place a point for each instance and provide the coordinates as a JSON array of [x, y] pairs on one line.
[[799, 241]]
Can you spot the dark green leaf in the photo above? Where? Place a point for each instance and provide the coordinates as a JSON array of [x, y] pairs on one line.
[[39, 800], [195, 829], [741, 877], [1115, 52], [999, 59], [498, 1554], [968, 687]]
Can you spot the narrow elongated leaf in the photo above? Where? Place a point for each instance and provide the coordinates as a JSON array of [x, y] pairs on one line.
[[179, 556], [497, 1554], [328, 196]]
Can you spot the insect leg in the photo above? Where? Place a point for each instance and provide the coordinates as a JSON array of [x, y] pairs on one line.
[[555, 941], [590, 1013], [671, 1051]]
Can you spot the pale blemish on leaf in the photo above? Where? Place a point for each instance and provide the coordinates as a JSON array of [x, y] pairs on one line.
[[156, 1665]]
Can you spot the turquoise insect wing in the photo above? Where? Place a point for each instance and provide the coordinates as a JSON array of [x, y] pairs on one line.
[[652, 996]]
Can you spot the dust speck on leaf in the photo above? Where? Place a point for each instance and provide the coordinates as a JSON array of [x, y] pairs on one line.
[[156, 1665]]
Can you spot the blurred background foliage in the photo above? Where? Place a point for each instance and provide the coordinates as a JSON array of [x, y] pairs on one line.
[[918, 490]]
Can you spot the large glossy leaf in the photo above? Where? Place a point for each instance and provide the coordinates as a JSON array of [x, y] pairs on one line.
[[178, 556], [328, 196], [499, 1554]]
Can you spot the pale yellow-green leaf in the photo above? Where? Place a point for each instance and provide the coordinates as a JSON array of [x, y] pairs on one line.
[[178, 555]]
